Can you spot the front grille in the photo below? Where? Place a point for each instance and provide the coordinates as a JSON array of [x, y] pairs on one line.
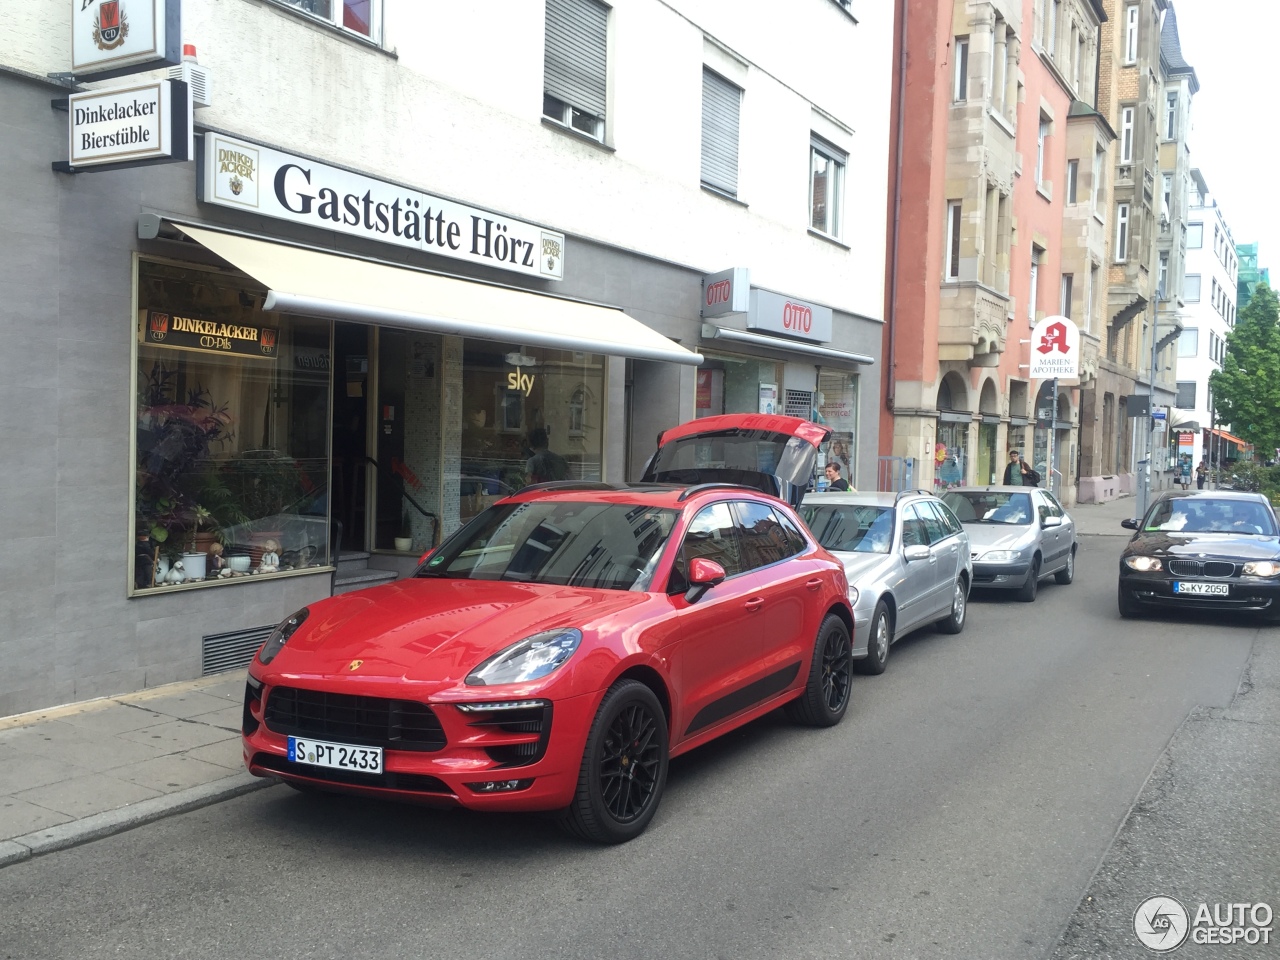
[[367, 721], [1220, 569], [417, 782]]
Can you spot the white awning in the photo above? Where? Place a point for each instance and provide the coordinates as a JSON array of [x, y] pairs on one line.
[[313, 283], [712, 332]]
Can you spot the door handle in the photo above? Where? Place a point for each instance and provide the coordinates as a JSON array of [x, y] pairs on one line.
[[754, 604], [813, 584]]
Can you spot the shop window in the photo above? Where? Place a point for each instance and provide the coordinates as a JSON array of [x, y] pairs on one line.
[[232, 428], [357, 16], [737, 385], [529, 415]]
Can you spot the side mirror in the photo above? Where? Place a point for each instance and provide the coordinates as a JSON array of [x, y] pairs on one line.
[[1051, 522], [916, 552], [703, 575], [1129, 523]]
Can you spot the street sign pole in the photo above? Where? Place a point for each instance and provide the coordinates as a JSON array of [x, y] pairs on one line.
[[1053, 432]]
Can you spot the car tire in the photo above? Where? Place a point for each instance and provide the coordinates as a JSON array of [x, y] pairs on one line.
[[1067, 573], [1027, 594], [879, 642], [1129, 608], [629, 734], [826, 693], [955, 620]]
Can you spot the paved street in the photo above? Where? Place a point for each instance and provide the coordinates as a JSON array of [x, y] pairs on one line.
[[961, 809]]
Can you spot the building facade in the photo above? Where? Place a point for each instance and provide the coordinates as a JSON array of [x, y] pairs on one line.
[[1212, 271], [418, 243], [989, 105]]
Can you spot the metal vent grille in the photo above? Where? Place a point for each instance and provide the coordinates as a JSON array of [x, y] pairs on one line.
[[227, 651], [799, 403]]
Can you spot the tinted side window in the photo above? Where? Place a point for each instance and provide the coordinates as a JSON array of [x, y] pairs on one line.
[[949, 518], [933, 523], [913, 530], [764, 541], [1055, 508], [713, 535], [1044, 509], [796, 542]]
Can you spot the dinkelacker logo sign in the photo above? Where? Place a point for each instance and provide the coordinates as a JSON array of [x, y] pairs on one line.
[[246, 176], [112, 38], [213, 336]]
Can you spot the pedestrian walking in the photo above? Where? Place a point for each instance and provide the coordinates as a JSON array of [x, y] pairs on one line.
[[1018, 473], [1202, 474], [1184, 473]]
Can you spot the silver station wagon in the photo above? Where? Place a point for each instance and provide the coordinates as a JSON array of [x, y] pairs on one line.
[[906, 558]]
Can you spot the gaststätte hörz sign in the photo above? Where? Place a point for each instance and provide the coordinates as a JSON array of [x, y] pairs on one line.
[[129, 125], [1055, 349], [247, 176], [113, 38]]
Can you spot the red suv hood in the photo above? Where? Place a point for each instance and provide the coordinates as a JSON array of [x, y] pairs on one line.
[[437, 630]]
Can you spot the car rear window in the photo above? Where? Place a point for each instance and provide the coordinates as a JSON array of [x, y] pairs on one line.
[[850, 527], [989, 506]]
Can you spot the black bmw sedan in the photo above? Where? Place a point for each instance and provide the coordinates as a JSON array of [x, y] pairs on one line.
[[1203, 550]]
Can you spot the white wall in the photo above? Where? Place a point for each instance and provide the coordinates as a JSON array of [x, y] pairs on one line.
[[453, 105]]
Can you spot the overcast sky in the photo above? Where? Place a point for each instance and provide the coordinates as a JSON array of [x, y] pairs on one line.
[[1235, 131]]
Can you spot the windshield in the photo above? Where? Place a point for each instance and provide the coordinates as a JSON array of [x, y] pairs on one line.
[[1205, 515], [853, 528], [989, 506], [608, 546]]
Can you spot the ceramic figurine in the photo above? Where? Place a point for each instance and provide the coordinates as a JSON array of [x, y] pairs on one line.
[[270, 562], [217, 565], [177, 573]]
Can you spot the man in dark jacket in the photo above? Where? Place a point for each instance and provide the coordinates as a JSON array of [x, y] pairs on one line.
[[1018, 474]]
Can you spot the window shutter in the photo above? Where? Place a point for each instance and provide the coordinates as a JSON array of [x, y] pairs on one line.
[[575, 55], [721, 104]]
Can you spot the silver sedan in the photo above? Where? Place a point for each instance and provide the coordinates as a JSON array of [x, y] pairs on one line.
[[906, 557], [1020, 535]]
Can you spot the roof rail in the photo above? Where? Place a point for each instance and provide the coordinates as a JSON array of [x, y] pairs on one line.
[[569, 485], [910, 493], [699, 487]]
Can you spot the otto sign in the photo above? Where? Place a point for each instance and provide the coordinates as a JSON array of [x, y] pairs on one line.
[[789, 316], [112, 38], [131, 124], [1055, 349], [246, 176], [726, 292]]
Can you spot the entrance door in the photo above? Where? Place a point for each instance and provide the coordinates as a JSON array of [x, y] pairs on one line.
[[351, 350]]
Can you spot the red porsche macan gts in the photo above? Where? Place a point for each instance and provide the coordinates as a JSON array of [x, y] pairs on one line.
[[555, 652]]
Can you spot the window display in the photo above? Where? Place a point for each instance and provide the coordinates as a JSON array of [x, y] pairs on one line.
[[232, 432]]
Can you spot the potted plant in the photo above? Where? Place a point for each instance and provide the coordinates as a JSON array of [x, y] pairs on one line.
[[195, 558], [404, 539]]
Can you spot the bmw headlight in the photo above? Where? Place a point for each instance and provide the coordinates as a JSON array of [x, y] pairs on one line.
[[1143, 564], [1262, 568], [531, 659], [1000, 556], [281, 634]]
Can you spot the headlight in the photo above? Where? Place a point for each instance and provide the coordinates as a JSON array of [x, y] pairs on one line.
[[281, 634], [1262, 568], [853, 595], [1000, 556], [531, 659], [1143, 564]]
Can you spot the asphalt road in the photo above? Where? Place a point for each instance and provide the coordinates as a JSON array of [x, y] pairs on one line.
[[960, 810]]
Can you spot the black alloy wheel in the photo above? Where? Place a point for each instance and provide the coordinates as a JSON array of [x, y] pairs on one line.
[[878, 643], [826, 693], [624, 767]]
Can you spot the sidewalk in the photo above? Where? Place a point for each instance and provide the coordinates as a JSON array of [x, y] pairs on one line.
[[1103, 519], [87, 770]]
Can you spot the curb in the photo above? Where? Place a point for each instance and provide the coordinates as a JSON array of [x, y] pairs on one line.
[[111, 822]]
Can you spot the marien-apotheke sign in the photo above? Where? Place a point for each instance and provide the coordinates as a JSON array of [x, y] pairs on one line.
[[246, 176], [161, 329]]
